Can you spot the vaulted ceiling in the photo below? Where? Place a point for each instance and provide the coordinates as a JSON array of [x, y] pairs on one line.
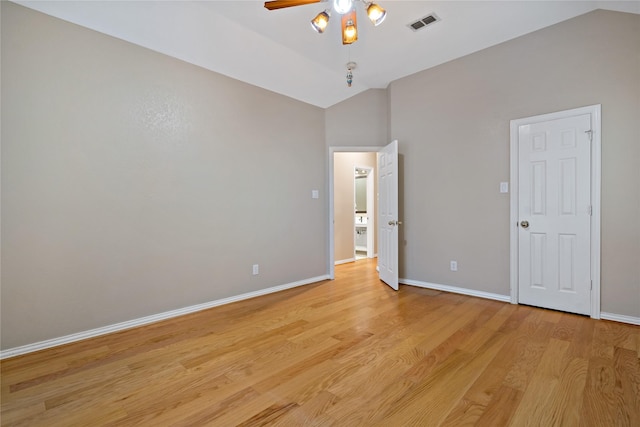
[[278, 50]]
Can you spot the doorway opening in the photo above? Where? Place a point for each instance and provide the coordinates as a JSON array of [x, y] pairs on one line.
[[351, 232]]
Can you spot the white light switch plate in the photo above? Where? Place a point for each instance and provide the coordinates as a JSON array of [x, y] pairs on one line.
[[504, 187], [315, 194]]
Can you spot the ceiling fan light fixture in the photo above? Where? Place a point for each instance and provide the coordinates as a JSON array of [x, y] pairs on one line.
[[376, 14], [342, 6], [350, 33], [320, 22]]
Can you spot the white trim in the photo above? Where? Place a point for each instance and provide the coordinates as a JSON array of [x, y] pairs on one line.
[[596, 177], [331, 250], [345, 261], [620, 318], [29, 348], [456, 290], [506, 298], [596, 162]]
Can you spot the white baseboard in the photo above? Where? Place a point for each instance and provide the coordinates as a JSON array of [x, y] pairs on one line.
[[456, 290], [29, 348], [506, 298], [344, 261], [620, 318]]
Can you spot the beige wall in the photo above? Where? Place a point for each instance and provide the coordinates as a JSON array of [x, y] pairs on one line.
[[361, 120], [343, 201], [452, 123], [134, 183]]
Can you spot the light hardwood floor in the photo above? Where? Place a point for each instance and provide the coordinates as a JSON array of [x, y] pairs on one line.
[[348, 352]]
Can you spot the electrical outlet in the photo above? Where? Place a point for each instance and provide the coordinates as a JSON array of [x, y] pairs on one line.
[[256, 269], [453, 265]]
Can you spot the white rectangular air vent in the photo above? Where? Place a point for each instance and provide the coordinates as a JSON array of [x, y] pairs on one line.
[[421, 23]]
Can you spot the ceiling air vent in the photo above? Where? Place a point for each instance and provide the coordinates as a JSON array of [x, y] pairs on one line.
[[424, 22]]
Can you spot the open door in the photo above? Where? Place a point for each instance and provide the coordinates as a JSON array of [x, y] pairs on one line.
[[388, 214]]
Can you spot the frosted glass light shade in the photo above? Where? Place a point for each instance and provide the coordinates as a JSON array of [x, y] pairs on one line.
[[320, 22], [376, 14]]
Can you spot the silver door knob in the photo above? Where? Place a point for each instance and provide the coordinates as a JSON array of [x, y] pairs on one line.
[[395, 222], [524, 224]]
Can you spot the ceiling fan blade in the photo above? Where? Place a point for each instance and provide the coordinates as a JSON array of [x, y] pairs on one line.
[[281, 4]]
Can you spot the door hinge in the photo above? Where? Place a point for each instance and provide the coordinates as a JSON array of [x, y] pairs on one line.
[[590, 133], [590, 210], [591, 285]]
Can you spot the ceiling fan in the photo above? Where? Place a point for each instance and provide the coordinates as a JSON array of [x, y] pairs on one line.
[[345, 8]]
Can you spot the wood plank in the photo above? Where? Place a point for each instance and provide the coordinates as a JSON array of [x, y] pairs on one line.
[[627, 370], [311, 413], [491, 380], [428, 402], [359, 410], [501, 408], [537, 401], [565, 407], [599, 403], [465, 413], [529, 357]]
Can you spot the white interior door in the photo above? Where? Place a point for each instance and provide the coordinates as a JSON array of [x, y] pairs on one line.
[[388, 214], [554, 210]]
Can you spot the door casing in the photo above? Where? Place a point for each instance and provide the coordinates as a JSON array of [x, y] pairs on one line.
[[595, 112], [331, 250]]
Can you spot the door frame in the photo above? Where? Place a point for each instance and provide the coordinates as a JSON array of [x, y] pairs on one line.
[[331, 268], [596, 164]]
